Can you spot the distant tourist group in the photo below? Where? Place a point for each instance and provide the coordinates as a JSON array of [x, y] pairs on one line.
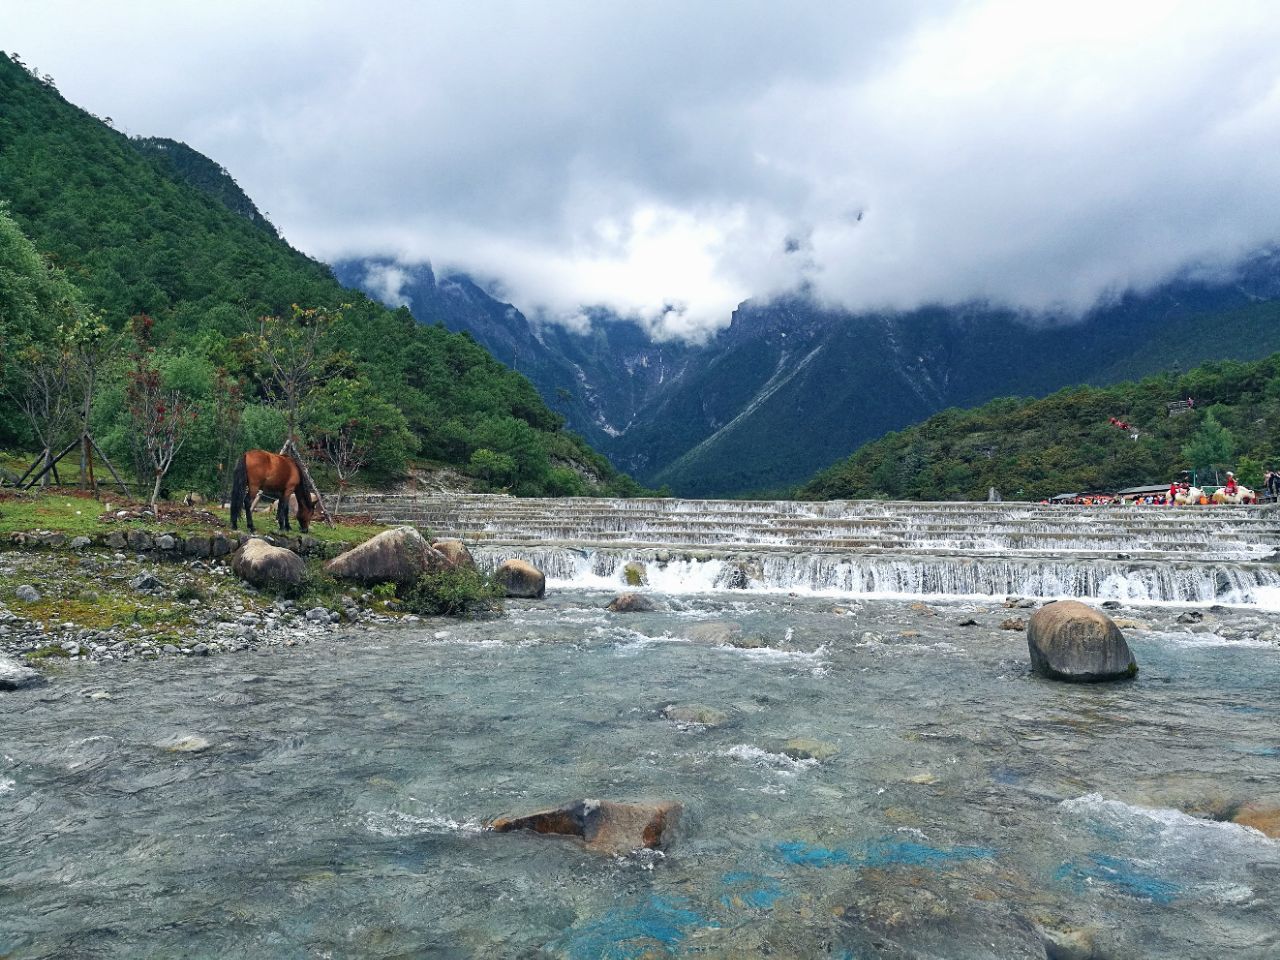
[[1181, 492]]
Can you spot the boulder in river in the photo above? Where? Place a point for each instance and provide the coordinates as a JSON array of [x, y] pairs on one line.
[[398, 556], [603, 825], [15, 676], [1074, 642], [632, 603], [521, 579], [1261, 815], [456, 553], [806, 748], [263, 565], [694, 715]]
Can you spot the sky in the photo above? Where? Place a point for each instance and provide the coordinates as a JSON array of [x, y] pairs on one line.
[[667, 160]]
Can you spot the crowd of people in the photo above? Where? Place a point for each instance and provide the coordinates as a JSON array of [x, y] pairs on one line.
[[1182, 492]]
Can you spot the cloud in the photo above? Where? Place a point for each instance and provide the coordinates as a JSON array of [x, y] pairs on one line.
[[666, 160]]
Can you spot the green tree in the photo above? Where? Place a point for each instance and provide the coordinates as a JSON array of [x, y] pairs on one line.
[[1212, 447]]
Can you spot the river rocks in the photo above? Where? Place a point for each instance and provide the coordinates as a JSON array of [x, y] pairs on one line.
[[632, 603], [804, 748], [146, 582], [603, 825], [1262, 815], [1069, 944], [1073, 642], [139, 540], [521, 579], [1191, 616], [317, 615], [1013, 623], [184, 743], [27, 593], [15, 676], [634, 574], [719, 633], [456, 554], [263, 565], [694, 715], [398, 556]]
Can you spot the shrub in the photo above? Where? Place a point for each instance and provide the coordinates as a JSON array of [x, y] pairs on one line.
[[458, 592]]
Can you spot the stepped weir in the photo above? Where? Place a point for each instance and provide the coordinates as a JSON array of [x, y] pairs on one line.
[[866, 548]]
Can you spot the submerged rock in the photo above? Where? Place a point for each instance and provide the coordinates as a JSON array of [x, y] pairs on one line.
[[1013, 623], [1071, 641], [184, 743], [603, 825], [632, 603], [804, 748], [695, 714], [15, 676], [263, 565], [398, 556], [1263, 815], [521, 579], [717, 632], [456, 554]]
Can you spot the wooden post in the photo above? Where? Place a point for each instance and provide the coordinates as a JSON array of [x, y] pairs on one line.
[[123, 488], [50, 465]]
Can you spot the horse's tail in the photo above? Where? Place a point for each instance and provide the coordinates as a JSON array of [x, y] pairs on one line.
[[239, 491]]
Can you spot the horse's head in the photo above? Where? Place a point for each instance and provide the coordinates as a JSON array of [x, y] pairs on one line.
[[307, 503]]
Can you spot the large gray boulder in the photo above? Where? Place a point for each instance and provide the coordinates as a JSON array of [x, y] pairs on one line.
[[603, 825], [15, 676], [398, 556], [1073, 642], [520, 579], [264, 565]]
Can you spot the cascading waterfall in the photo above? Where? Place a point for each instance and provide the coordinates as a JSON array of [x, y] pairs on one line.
[[899, 576], [868, 548]]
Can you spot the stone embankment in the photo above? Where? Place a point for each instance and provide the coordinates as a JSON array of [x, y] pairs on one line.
[[175, 545]]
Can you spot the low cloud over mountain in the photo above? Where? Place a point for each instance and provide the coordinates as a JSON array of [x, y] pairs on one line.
[[666, 161]]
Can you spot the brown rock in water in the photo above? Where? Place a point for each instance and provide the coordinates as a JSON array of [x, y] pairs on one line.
[[520, 579], [1013, 623], [1261, 815], [603, 825], [398, 556], [1071, 641], [263, 565], [456, 553], [631, 603]]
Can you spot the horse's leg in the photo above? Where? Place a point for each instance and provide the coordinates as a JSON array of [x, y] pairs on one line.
[[282, 509], [250, 497]]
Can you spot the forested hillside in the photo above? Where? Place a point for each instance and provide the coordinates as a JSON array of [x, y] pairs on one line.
[[1032, 449], [120, 228]]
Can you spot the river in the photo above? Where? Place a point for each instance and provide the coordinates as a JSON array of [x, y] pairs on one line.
[[329, 800]]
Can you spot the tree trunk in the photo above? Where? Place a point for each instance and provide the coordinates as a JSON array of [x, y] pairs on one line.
[[155, 494]]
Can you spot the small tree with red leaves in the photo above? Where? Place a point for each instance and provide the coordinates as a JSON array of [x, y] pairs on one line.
[[161, 416]]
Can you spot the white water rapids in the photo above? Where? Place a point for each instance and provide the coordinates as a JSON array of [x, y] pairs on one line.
[[869, 548]]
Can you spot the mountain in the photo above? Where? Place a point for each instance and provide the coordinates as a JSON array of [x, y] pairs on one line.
[[155, 227], [1030, 449], [193, 167], [600, 380], [788, 388]]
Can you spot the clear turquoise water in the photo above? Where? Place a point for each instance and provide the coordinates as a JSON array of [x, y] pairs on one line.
[[337, 810]]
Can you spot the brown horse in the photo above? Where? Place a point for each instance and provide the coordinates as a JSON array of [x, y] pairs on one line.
[[271, 473]]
